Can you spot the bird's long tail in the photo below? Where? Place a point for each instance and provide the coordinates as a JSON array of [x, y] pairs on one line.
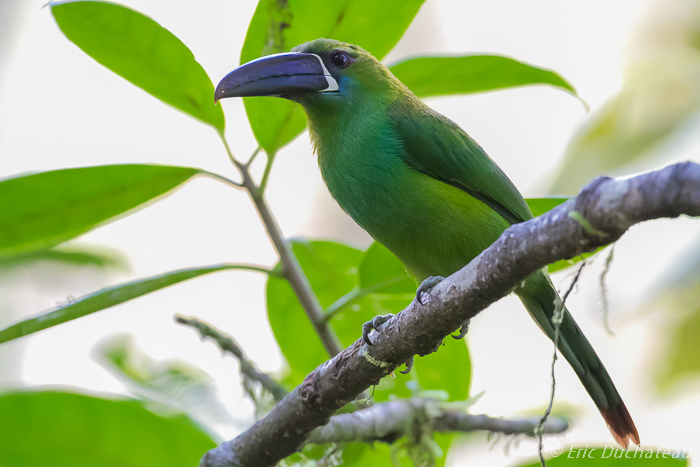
[[539, 296]]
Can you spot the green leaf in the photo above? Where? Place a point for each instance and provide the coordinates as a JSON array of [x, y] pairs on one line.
[[105, 298], [675, 365], [173, 383], [675, 294], [440, 76], [449, 369], [277, 26], [382, 272], [77, 255], [606, 456], [41, 210], [539, 206], [141, 51], [331, 269], [60, 429], [444, 440]]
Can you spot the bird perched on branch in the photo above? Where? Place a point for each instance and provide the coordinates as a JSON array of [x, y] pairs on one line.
[[415, 181]]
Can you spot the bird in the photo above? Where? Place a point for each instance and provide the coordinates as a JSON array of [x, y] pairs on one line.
[[416, 182]]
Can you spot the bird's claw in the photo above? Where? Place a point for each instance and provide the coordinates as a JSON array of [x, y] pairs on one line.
[[374, 324], [426, 285], [409, 366], [462, 330]]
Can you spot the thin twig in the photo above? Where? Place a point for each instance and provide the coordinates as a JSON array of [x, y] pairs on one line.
[[227, 344], [252, 156], [290, 265], [604, 291], [557, 319]]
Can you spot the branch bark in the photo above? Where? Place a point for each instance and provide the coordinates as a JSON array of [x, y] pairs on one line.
[[600, 214], [392, 420]]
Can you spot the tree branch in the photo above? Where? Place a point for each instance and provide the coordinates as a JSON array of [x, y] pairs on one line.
[[392, 420], [290, 265], [227, 344], [609, 206]]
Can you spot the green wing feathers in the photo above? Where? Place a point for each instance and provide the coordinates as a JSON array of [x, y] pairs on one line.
[[438, 147]]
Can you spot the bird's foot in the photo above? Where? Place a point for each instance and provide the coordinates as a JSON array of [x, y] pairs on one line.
[[409, 365], [462, 330], [374, 324], [426, 285]]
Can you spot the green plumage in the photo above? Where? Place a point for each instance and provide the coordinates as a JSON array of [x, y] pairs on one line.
[[421, 186], [415, 181]]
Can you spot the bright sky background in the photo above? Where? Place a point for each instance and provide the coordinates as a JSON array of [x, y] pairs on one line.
[[58, 108]]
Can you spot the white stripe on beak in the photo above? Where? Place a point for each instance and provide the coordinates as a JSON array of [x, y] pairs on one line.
[[332, 83]]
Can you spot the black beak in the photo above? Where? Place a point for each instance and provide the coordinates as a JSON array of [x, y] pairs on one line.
[[278, 75]]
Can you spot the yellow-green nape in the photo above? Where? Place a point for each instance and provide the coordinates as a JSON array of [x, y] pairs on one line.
[[323, 44]]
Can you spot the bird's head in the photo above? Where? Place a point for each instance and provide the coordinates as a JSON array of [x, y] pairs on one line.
[[320, 73]]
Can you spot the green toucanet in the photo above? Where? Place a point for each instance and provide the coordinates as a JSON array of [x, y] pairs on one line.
[[415, 181]]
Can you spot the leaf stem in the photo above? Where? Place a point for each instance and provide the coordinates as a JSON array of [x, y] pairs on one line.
[[343, 302], [223, 179], [253, 156], [290, 265], [266, 173]]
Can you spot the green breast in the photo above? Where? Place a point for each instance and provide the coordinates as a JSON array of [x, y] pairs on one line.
[[433, 227]]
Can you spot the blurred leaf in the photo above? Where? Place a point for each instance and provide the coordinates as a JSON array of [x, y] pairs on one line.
[[675, 295], [567, 263], [143, 52], [448, 369], [278, 25], [399, 454], [539, 206], [440, 76], [77, 255], [682, 360], [331, 269], [108, 297], [39, 211], [70, 430], [659, 99], [167, 377], [444, 440], [174, 383], [606, 456], [382, 272], [376, 454]]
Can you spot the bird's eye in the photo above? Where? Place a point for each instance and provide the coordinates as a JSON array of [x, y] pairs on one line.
[[340, 59]]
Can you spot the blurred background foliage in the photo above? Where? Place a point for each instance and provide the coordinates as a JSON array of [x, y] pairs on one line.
[[659, 100], [175, 410]]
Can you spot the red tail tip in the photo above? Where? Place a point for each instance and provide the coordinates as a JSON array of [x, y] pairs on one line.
[[621, 425]]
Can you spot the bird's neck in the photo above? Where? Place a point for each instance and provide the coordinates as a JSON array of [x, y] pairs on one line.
[[356, 150]]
